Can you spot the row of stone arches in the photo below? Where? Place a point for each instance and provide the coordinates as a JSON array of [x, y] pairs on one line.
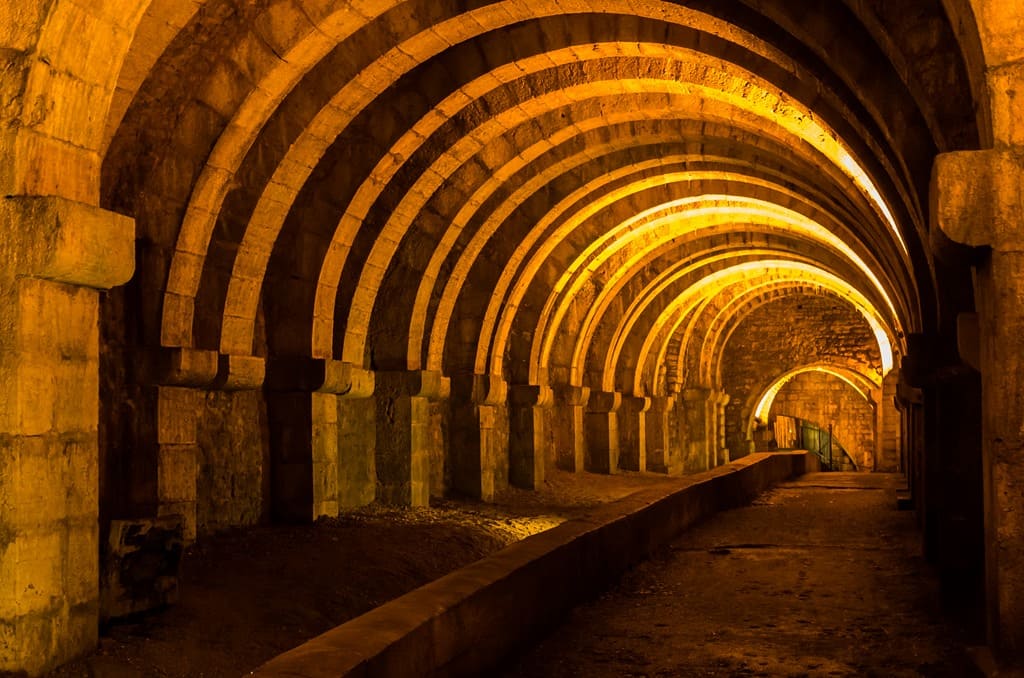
[[388, 249]]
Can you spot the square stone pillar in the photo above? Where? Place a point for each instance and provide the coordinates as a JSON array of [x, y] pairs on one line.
[[529, 408], [888, 458], [479, 449], [661, 456], [720, 451], [166, 466], [357, 442], [976, 200], [568, 420], [406, 441], [694, 430], [56, 255], [177, 450], [302, 415], [602, 432], [632, 417]]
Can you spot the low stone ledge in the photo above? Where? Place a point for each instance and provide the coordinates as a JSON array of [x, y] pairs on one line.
[[462, 623]]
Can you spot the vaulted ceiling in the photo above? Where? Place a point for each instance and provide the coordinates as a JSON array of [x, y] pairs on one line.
[[554, 191]]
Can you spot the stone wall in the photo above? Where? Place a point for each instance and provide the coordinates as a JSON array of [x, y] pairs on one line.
[[231, 483], [827, 400], [782, 335]]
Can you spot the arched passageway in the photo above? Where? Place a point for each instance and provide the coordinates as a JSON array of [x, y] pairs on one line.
[[274, 259]]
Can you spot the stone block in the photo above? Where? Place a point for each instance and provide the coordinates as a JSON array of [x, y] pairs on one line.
[[35, 397], [39, 577], [81, 475], [82, 565], [176, 416], [325, 489], [178, 312], [240, 373], [1006, 104], [176, 473], [70, 242], [357, 474], [325, 443], [325, 408], [187, 367], [975, 196], [76, 396], [39, 495]]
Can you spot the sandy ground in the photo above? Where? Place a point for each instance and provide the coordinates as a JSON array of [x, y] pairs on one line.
[[248, 595], [820, 577]]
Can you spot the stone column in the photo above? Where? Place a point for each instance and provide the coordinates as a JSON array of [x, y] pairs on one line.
[[602, 431], [632, 418], [720, 452], [406, 441], [529, 409], [567, 418], [888, 460], [695, 433], [357, 442], [977, 201], [177, 397], [56, 255], [479, 438], [661, 456], [302, 414]]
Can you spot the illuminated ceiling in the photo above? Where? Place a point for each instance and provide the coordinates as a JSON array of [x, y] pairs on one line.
[[543, 192]]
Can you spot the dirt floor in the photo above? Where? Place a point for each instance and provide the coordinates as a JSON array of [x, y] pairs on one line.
[[820, 577], [248, 595]]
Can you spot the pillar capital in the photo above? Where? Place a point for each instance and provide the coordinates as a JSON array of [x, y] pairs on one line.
[[566, 394], [636, 403], [691, 395], [179, 366], [604, 401], [414, 383], [976, 198], [528, 395], [57, 239], [662, 403], [198, 368], [480, 389], [245, 373], [321, 376]]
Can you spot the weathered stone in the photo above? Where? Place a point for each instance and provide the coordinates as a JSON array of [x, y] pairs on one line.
[[67, 241], [141, 565], [645, 197]]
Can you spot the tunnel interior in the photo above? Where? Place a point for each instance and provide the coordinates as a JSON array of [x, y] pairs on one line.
[[393, 251], [390, 251]]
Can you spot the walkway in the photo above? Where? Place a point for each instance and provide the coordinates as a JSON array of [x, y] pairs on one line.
[[821, 577]]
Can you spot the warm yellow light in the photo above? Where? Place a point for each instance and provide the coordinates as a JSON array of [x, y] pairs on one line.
[[764, 405], [748, 272], [669, 220]]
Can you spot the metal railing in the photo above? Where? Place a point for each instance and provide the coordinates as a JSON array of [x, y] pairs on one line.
[[822, 443]]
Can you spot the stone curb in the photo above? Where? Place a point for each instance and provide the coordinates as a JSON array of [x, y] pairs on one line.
[[464, 622]]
